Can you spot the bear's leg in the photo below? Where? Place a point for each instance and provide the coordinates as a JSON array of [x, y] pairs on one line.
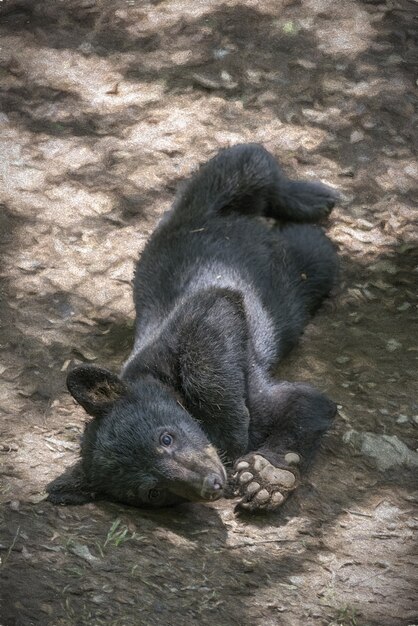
[[289, 420], [247, 179]]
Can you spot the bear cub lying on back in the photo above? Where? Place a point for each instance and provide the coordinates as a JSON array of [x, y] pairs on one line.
[[221, 295]]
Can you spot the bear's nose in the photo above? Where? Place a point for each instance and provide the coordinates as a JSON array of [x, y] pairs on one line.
[[213, 486]]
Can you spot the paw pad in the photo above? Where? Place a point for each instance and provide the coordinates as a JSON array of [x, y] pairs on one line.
[[275, 476], [253, 488], [245, 477], [261, 485], [292, 458]]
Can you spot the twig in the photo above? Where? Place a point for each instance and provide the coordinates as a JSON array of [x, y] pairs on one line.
[[357, 513], [9, 551], [257, 543]]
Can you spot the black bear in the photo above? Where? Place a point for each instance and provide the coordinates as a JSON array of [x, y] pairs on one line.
[[221, 295]]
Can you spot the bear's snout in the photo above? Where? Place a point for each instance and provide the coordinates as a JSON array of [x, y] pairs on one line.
[[213, 486]]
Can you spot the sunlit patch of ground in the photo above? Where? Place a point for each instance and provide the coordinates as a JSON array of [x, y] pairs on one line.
[[105, 107]]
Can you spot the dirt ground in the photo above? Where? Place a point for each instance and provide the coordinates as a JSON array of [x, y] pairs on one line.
[[105, 107]]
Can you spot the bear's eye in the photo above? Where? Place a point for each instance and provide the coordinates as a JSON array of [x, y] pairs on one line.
[[153, 494], [166, 440]]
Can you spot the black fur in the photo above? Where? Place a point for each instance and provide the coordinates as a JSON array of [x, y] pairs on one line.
[[221, 295]]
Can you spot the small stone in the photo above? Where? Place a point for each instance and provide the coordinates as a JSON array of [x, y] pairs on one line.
[[356, 136], [306, 64], [83, 552], [36, 498], [242, 465], [342, 359], [368, 124], [220, 53], [86, 47], [245, 478], [26, 554], [386, 450], [292, 458], [14, 505], [402, 419], [392, 345]]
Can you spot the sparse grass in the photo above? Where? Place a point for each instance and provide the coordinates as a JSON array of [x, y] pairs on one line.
[[75, 572], [116, 536], [345, 616], [4, 489], [74, 616]]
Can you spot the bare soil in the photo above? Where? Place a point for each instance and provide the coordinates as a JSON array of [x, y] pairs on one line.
[[105, 106]]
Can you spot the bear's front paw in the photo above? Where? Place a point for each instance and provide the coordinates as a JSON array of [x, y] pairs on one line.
[[261, 485]]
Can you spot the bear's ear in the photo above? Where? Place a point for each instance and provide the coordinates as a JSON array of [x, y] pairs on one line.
[[71, 487], [95, 388]]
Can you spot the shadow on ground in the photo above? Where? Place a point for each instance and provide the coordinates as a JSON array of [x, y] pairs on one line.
[[105, 107]]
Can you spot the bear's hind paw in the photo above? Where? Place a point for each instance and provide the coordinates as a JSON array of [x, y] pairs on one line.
[[261, 485]]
